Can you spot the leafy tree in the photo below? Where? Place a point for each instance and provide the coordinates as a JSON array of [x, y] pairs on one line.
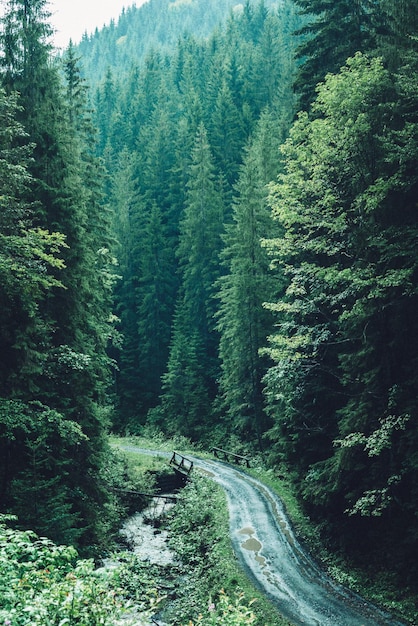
[[343, 416], [45, 583], [27, 260]]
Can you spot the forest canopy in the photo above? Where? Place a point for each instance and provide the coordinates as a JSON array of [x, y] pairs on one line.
[[217, 239]]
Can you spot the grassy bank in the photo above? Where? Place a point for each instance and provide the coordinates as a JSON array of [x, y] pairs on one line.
[[199, 527]]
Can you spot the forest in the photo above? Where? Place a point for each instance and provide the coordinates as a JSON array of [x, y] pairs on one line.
[[209, 229]]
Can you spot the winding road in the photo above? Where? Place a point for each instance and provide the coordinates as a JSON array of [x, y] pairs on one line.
[[268, 550]]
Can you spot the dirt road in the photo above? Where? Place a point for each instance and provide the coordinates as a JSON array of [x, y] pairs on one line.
[[274, 559]]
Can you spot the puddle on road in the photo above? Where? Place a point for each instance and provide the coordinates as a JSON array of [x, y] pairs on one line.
[[252, 545], [261, 561], [247, 531]]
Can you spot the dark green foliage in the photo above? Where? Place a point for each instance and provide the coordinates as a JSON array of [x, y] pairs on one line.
[[334, 32], [168, 259], [55, 318], [127, 42], [346, 349], [243, 323], [189, 130], [398, 35], [37, 447], [189, 385]]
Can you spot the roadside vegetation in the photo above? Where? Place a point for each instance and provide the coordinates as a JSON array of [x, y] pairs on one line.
[[379, 587], [43, 584], [211, 587]]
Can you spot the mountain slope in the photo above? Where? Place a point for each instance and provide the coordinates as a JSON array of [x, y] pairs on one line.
[[155, 24]]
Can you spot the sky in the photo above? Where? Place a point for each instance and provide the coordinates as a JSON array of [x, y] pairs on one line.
[[72, 18]]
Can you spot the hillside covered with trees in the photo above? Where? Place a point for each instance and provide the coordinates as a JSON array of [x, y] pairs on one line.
[[218, 239]]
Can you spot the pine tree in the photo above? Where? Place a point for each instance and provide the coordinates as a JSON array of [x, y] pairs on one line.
[[243, 323], [397, 40], [69, 372], [29, 262], [194, 339], [334, 32], [227, 133], [147, 205], [32, 481], [156, 291]]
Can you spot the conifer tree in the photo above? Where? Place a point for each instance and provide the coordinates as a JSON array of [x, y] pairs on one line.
[[33, 440], [69, 373], [243, 322], [334, 32], [227, 133], [194, 339], [398, 40], [147, 228], [122, 198]]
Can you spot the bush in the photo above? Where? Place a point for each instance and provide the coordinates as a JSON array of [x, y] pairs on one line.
[[227, 612], [43, 584]]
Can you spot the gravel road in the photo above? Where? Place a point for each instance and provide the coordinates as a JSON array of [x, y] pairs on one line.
[[274, 559]]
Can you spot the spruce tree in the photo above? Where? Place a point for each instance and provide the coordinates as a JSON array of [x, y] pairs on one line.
[[334, 31], [68, 376], [194, 339], [34, 441], [398, 38], [247, 284]]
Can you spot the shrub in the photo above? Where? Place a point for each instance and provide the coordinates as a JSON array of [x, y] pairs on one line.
[[227, 612], [43, 584]]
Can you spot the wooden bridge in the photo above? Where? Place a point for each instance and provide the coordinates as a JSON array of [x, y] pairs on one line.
[[181, 464], [226, 455]]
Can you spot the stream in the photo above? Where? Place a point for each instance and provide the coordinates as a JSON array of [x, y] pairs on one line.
[[269, 552]]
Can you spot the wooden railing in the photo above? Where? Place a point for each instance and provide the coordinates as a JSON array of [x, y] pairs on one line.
[[145, 495], [181, 464], [226, 455]]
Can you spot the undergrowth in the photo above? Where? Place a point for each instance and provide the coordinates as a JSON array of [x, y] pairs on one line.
[[213, 579]]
